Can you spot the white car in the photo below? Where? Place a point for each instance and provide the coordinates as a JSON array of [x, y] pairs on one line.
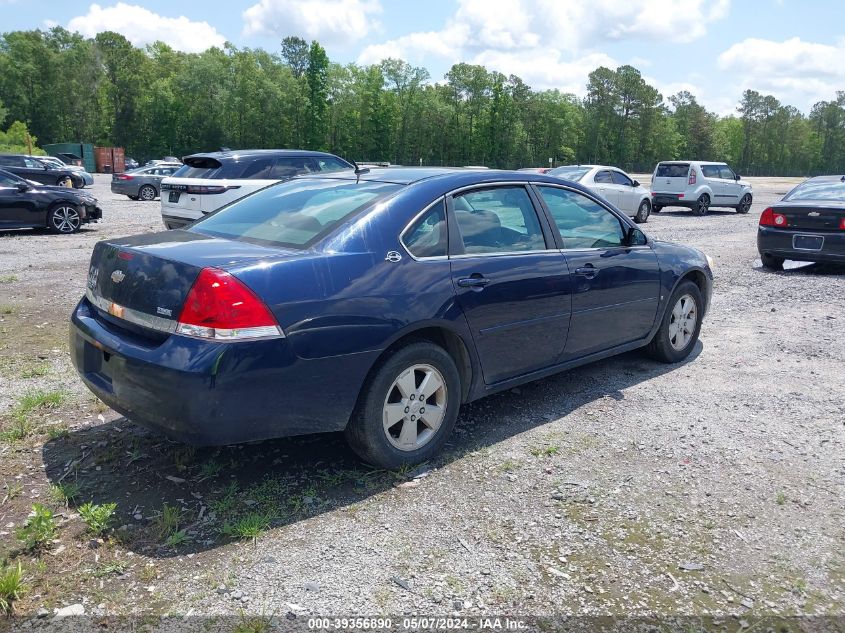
[[612, 184], [698, 185], [206, 182]]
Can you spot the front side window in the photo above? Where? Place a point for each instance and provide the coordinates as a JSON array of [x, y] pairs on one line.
[[582, 222], [32, 163], [727, 173], [331, 164], [498, 220], [9, 180], [621, 179], [294, 214], [428, 237]]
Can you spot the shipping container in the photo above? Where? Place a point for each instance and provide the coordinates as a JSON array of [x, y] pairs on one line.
[[109, 160], [85, 151]]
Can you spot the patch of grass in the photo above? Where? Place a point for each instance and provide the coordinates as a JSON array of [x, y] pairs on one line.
[[7, 279], [166, 522], [98, 518], [116, 568], [36, 371], [13, 490], [11, 588], [22, 426], [183, 457], [210, 470], [58, 432], [177, 538], [228, 502], [148, 573], [20, 429], [8, 309], [508, 466], [546, 451], [252, 624], [249, 526], [39, 529], [780, 499], [64, 492]]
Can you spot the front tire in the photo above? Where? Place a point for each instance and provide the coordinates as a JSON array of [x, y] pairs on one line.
[[147, 193], [407, 407], [702, 205], [64, 218], [771, 262], [680, 326], [744, 204], [643, 212]]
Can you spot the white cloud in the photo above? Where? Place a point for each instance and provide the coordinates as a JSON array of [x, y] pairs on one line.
[[141, 26], [796, 72], [549, 43], [331, 22]]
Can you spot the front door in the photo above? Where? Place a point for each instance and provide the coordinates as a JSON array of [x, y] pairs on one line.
[[604, 186], [510, 281], [731, 188], [15, 208], [629, 198], [615, 286]]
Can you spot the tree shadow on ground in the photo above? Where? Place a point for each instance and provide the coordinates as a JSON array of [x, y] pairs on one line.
[[217, 494]]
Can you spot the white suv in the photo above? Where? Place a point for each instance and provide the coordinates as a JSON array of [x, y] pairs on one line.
[[206, 182], [698, 185]]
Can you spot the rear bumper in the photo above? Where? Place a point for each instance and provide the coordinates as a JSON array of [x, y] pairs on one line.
[[210, 393], [124, 188], [670, 200], [174, 222], [779, 243]]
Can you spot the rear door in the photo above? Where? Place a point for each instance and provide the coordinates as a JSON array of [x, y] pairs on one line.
[[615, 286], [604, 186], [670, 178], [711, 176], [511, 282]]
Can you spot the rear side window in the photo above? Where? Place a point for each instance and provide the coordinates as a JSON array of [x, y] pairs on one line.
[[582, 223], [294, 214], [710, 171], [498, 220], [428, 237], [818, 190], [603, 177], [672, 170], [11, 161], [331, 164]]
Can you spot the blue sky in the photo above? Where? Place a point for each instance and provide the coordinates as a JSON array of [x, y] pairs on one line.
[[714, 48]]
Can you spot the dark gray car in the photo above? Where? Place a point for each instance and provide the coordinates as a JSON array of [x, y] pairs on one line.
[[143, 183]]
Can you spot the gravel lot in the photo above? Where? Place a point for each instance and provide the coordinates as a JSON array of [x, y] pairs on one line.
[[628, 488]]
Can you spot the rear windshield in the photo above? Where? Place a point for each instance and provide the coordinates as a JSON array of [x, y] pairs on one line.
[[569, 173], [818, 190], [294, 214], [672, 170], [258, 167]]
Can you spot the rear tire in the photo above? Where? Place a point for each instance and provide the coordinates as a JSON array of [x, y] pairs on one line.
[[147, 193], [744, 204], [771, 262], [702, 205], [643, 212], [680, 326], [391, 413]]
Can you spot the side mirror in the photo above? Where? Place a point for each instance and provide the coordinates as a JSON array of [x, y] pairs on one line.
[[737, 176], [636, 183], [635, 237], [22, 186]]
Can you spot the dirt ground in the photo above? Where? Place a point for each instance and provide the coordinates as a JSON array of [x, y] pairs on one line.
[[711, 489]]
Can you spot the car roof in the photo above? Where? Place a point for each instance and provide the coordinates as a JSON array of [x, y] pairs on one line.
[[692, 162], [246, 153]]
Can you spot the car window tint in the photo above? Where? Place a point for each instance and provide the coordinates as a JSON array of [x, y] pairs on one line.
[[726, 173], [6, 181], [818, 190], [331, 164], [294, 213], [582, 222], [427, 237], [603, 177], [11, 161], [498, 220], [710, 171], [672, 170], [258, 169], [621, 179], [290, 166], [32, 163]]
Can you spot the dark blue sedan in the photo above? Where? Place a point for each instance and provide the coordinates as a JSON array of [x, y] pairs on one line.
[[375, 304]]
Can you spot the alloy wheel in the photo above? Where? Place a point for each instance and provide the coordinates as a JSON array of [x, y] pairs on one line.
[[414, 407], [682, 322], [147, 193], [65, 219]]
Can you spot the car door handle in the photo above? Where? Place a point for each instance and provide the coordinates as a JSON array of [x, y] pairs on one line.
[[473, 282], [589, 271]]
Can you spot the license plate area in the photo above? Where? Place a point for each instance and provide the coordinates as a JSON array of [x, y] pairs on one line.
[[807, 242], [173, 196]]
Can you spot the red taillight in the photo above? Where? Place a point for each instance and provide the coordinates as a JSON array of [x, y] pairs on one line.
[[842, 224], [221, 307], [124, 177], [770, 218], [691, 180]]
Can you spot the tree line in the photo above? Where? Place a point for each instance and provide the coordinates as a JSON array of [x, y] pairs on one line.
[[157, 101]]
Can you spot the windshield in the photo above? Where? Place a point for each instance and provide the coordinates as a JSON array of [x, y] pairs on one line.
[[569, 172], [818, 190], [294, 214]]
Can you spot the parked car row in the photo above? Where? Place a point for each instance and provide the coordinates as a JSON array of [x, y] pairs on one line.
[[44, 170]]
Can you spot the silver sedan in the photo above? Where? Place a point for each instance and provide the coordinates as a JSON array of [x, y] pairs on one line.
[[143, 183]]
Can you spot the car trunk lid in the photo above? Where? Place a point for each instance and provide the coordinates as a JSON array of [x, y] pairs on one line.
[[810, 215]]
